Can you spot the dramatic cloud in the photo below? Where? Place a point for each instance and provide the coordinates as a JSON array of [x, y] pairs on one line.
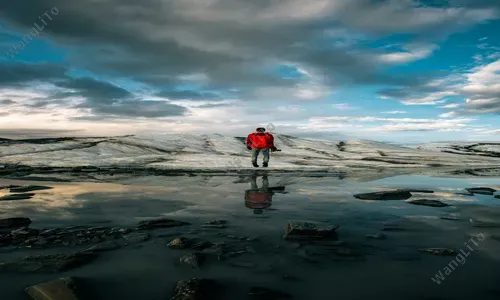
[[203, 62]]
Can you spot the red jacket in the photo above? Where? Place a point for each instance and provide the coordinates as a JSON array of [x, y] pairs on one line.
[[260, 140]]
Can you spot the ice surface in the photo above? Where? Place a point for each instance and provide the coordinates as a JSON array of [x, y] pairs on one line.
[[186, 151]]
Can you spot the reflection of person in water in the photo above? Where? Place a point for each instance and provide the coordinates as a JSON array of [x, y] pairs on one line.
[[260, 199]]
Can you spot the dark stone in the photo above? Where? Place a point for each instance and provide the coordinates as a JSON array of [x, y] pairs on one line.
[[196, 289], [48, 263], [427, 202], [417, 191], [481, 190], [386, 195], [29, 188], [215, 224], [449, 217], [309, 231], [464, 194], [263, 293], [439, 251], [5, 187], [14, 222], [497, 196], [160, 223], [17, 197], [193, 259]]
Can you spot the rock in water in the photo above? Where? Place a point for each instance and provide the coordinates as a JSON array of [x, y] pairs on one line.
[[60, 289], [17, 197], [386, 195], [308, 231], [427, 202], [215, 224], [418, 191], [193, 259], [178, 243], [481, 190], [48, 263], [195, 289], [439, 251], [29, 188], [497, 196], [160, 223], [14, 222], [263, 293]]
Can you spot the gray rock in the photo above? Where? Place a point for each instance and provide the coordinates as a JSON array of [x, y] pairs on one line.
[[13, 197], [29, 188], [215, 224], [309, 231], [427, 202], [196, 289], [439, 251], [178, 243], [160, 223], [386, 195], [449, 217], [48, 263], [481, 190], [14, 222]]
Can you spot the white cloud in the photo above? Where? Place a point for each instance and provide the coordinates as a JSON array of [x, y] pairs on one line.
[[343, 106], [412, 53], [394, 112], [453, 105], [429, 99]]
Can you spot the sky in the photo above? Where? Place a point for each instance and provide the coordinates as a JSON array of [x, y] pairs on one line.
[[397, 70]]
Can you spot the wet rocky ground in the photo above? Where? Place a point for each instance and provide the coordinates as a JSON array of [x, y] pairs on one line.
[[308, 244]]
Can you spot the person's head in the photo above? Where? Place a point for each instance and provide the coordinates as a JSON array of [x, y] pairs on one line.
[[258, 211], [260, 129]]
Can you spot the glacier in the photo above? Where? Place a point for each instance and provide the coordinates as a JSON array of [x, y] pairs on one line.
[[215, 153]]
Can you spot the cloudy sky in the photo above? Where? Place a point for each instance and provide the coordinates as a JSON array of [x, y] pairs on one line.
[[395, 70]]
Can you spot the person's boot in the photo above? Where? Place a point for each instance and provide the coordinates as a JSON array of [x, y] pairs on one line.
[[264, 165], [255, 165]]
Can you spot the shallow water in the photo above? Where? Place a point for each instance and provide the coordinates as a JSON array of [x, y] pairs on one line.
[[392, 268]]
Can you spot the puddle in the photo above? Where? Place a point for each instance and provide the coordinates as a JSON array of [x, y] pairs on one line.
[[392, 266]]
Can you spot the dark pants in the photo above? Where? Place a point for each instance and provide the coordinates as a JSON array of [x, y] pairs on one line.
[[255, 154]]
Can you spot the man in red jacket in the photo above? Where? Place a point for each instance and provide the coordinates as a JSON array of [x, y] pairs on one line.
[[259, 141]]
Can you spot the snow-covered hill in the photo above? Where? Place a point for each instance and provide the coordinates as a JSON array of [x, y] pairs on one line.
[[184, 151]]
